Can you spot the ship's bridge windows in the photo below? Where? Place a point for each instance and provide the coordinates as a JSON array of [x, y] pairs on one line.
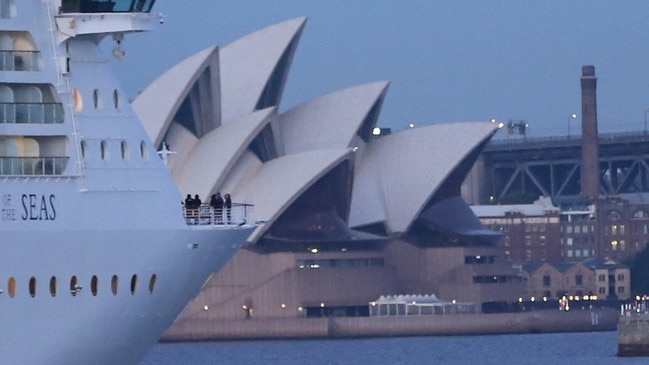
[[18, 52], [29, 104], [106, 6], [33, 155]]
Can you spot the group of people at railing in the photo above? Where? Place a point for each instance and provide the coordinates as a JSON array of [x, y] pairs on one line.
[[217, 206]]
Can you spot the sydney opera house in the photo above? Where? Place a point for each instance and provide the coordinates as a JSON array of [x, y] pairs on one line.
[[345, 215]]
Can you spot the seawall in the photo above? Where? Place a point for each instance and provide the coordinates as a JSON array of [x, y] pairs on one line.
[[633, 336], [543, 321]]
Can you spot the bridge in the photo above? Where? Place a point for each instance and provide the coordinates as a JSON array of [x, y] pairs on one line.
[[551, 166]]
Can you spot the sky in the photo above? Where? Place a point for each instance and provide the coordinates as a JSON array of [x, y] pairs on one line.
[[446, 60]]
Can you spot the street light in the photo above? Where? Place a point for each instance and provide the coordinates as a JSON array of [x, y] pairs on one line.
[[572, 116]]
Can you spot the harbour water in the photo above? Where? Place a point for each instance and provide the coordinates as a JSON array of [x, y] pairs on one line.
[[592, 348]]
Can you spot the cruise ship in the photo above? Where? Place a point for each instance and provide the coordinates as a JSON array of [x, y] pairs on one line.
[[98, 258]]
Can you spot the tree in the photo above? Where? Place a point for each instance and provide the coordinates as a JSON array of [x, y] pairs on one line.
[[639, 265]]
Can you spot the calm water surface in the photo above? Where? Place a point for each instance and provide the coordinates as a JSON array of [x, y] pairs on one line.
[[594, 348]]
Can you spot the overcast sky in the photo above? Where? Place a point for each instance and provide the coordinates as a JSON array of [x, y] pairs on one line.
[[447, 61]]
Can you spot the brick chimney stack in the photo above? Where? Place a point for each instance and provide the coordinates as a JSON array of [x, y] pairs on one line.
[[589, 135]]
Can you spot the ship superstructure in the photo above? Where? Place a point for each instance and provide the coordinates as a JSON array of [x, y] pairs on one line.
[[98, 259]]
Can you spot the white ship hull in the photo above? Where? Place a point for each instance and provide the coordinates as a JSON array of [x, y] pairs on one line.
[[95, 326]]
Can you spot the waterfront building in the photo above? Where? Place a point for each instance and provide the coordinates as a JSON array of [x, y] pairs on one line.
[[531, 232]]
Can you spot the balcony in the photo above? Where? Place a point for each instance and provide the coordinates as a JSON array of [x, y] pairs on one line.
[[31, 113], [32, 165], [19, 60]]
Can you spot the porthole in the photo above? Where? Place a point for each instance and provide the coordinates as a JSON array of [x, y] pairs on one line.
[[77, 100], [144, 152], [113, 284], [96, 99], [152, 282], [124, 150], [74, 286], [116, 99], [104, 150], [53, 286], [32, 286], [93, 285], [11, 287], [133, 284], [84, 149]]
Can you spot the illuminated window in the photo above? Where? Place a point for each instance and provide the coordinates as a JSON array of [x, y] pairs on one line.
[[11, 287], [77, 100], [614, 245]]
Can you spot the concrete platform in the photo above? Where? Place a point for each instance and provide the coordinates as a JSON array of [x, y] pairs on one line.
[[543, 321]]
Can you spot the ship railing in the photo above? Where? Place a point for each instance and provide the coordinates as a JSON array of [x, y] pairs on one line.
[[31, 113], [240, 214], [19, 60], [33, 165]]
